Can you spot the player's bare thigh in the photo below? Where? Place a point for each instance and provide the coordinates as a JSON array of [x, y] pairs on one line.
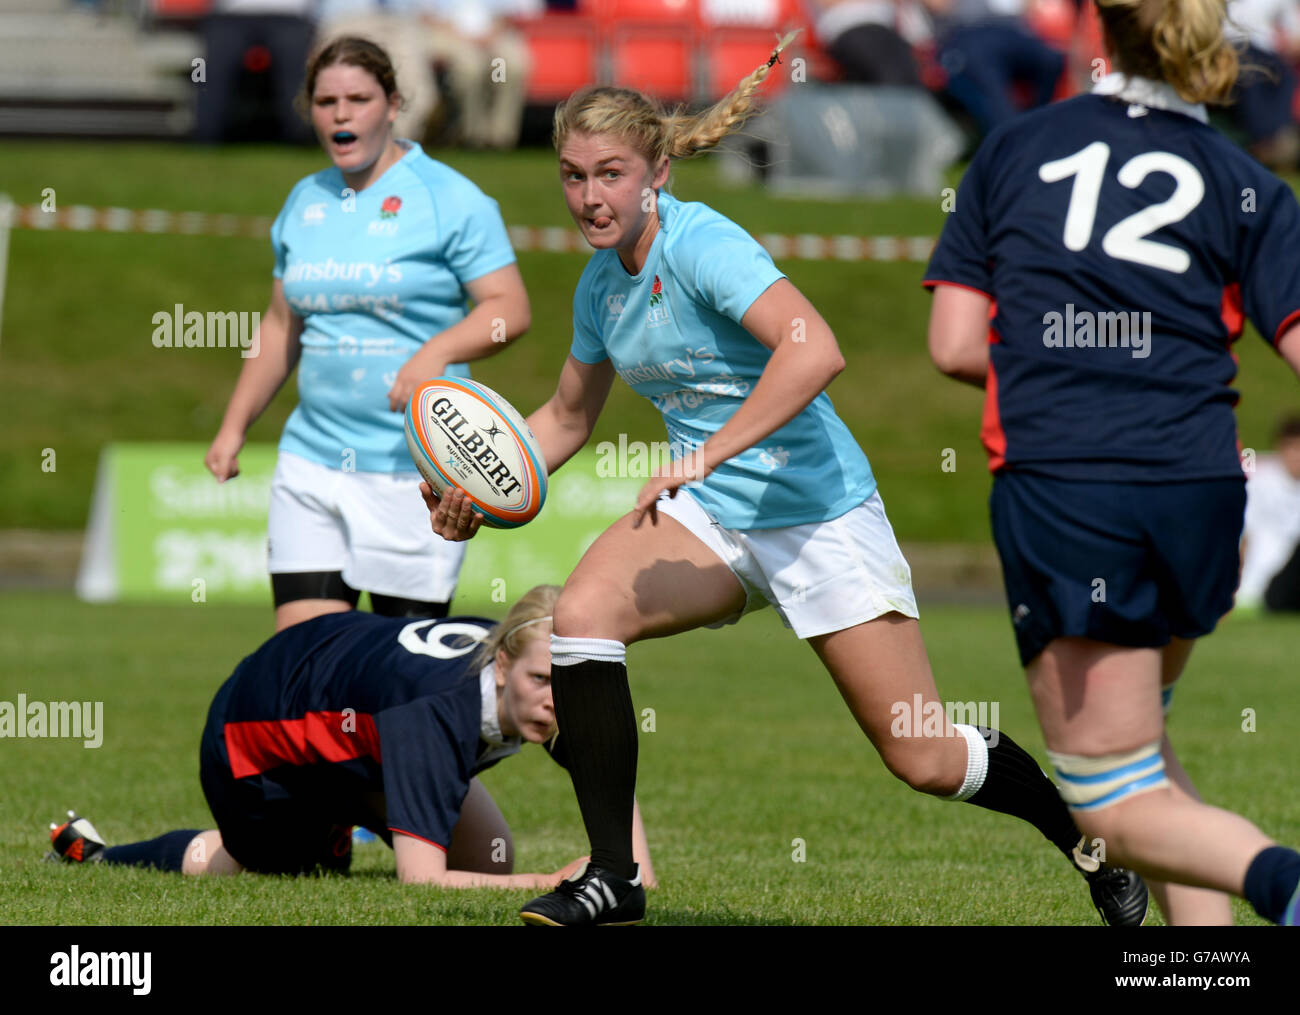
[[1096, 699], [300, 610], [647, 582], [877, 665], [481, 840], [206, 855]]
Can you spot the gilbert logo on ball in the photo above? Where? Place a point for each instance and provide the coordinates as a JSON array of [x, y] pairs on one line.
[[463, 434]]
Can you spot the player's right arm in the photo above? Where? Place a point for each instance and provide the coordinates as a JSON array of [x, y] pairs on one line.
[[420, 862], [565, 423], [275, 356], [958, 333]]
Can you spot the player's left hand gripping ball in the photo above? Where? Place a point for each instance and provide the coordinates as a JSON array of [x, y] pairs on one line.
[[463, 435]]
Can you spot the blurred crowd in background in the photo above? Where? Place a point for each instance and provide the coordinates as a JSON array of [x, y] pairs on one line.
[[472, 70]]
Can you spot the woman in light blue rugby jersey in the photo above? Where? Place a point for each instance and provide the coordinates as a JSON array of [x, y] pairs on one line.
[[375, 259], [769, 500]]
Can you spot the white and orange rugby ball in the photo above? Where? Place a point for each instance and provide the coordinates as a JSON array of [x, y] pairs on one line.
[[463, 434]]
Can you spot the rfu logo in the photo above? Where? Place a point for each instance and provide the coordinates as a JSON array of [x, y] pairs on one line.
[[314, 214], [614, 302], [658, 313]]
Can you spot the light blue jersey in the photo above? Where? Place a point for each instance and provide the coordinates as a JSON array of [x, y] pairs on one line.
[[673, 334], [374, 275]]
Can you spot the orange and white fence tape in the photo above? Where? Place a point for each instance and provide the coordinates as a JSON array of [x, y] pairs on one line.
[[528, 239]]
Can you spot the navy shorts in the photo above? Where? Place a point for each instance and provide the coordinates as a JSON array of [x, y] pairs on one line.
[[1130, 564], [264, 825]]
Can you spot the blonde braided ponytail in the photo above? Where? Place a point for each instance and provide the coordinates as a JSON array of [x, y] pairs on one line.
[[630, 115], [689, 135]]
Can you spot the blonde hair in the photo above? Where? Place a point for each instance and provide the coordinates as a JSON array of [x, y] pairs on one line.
[[643, 123], [527, 620], [1180, 42]]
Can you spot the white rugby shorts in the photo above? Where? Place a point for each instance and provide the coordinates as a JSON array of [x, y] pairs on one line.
[[372, 526], [820, 576]]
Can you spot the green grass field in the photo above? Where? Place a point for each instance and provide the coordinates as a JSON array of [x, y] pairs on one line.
[[77, 367], [751, 750]]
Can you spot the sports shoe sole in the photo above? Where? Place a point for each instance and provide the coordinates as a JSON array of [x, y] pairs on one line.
[[537, 920]]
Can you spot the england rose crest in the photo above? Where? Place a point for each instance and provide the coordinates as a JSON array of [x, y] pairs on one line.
[[658, 312]]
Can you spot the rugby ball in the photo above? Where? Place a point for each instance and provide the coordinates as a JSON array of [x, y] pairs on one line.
[[463, 434]]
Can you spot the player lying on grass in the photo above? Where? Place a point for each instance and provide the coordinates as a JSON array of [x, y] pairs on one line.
[[690, 311], [354, 719]]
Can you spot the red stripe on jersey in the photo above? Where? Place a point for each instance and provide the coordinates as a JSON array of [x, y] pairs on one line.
[[930, 283], [259, 745], [1288, 322], [403, 831], [991, 432], [1231, 313]]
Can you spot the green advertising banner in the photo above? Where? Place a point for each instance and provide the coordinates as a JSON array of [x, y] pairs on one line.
[[163, 529], [502, 564]]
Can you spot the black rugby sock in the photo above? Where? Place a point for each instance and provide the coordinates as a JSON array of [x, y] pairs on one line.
[[167, 852], [1272, 881], [1015, 785], [396, 606], [594, 713]]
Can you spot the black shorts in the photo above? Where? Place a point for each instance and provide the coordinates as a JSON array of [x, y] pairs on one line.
[[1130, 564], [265, 825]]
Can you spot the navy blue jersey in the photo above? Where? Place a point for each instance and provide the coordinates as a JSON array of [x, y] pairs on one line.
[[347, 707], [1121, 245]]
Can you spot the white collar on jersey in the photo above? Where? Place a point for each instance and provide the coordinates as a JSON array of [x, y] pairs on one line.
[[498, 745], [490, 725], [1145, 92]]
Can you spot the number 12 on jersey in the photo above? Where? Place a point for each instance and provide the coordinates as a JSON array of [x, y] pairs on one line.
[[1126, 240]]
